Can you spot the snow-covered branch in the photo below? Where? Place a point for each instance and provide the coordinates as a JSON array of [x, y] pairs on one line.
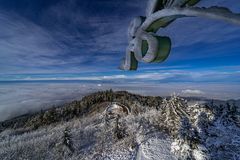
[[220, 13], [146, 46]]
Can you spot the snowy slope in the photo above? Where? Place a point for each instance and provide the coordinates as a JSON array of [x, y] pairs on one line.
[[174, 130]]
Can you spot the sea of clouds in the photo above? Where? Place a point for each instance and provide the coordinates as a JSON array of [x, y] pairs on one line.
[[21, 98]]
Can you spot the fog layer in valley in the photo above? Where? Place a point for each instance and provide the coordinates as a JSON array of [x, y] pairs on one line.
[[21, 98]]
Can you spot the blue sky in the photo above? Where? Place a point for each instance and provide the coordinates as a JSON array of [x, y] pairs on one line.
[[86, 39]]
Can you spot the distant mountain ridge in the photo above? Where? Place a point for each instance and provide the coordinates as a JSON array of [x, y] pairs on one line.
[[88, 104], [77, 109]]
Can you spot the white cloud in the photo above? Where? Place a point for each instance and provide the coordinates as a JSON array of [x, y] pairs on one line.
[[115, 77], [153, 76], [193, 91]]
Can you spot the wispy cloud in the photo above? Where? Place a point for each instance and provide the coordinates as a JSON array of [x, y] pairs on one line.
[[26, 47], [65, 36], [24, 44]]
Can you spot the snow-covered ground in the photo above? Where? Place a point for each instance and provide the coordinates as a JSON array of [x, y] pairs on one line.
[[175, 131], [156, 148], [91, 138]]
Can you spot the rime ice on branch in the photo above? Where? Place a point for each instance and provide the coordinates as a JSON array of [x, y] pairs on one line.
[[146, 46]]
